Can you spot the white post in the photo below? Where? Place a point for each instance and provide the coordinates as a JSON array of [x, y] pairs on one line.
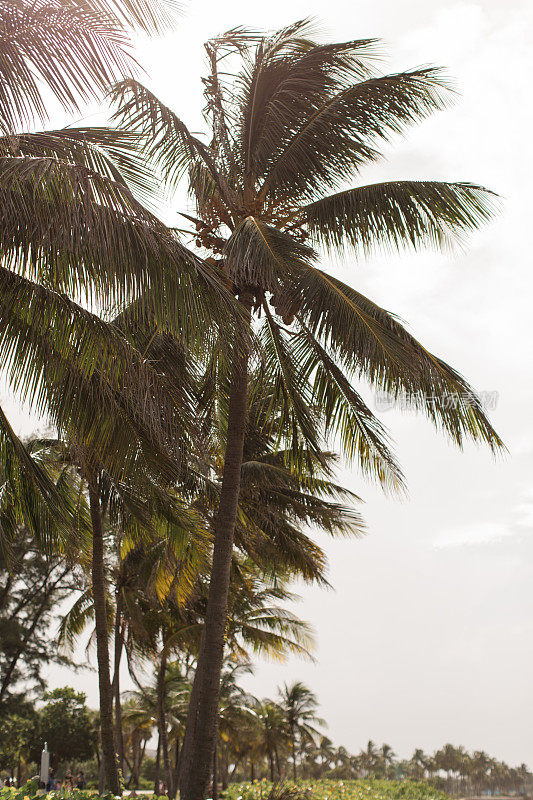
[[45, 765]]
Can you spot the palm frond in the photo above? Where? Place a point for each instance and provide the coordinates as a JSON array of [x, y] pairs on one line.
[[345, 414], [280, 548], [112, 153], [169, 145], [74, 622], [291, 397], [151, 16], [334, 141], [84, 234], [398, 214], [256, 254], [370, 341], [29, 496], [81, 373], [74, 48], [288, 79]]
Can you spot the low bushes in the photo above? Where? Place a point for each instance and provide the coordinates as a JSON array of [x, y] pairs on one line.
[[341, 790]]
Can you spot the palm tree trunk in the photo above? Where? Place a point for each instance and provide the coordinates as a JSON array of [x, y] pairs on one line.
[[102, 649], [175, 773], [162, 723], [135, 767], [200, 732], [119, 739], [157, 766], [276, 754], [214, 793], [293, 744], [225, 769]]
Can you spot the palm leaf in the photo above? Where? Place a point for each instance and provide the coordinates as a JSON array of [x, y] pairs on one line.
[[370, 341], [74, 622], [111, 153], [84, 234], [73, 48], [286, 81], [79, 371], [337, 138], [169, 144], [256, 254], [403, 213], [30, 497], [362, 436], [291, 393]]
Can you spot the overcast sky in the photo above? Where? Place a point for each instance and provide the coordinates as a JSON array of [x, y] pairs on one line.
[[427, 636]]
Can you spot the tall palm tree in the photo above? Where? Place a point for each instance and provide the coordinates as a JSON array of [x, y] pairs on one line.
[[235, 711], [71, 228], [118, 510], [299, 704], [297, 122]]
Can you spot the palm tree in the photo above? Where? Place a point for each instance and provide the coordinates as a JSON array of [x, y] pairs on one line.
[[297, 121], [299, 704], [235, 713], [70, 225], [419, 763], [326, 752], [124, 509], [273, 734], [369, 757], [138, 723], [386, 757], [449, 759]]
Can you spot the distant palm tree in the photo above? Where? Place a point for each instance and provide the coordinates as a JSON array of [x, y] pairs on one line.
[[299, 704], [138, 721], [369, 757], [292, 125], [273, 734], [326, 752], [419, 763], [386, 757]]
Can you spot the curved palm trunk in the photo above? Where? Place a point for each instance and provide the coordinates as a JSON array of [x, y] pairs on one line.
[[199, 741], [102, 650], [162, 724]]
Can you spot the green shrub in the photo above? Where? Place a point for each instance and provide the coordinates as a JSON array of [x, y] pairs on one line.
[[327, 789]]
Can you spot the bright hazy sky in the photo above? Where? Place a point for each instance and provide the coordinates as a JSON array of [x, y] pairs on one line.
[[427, 636]]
